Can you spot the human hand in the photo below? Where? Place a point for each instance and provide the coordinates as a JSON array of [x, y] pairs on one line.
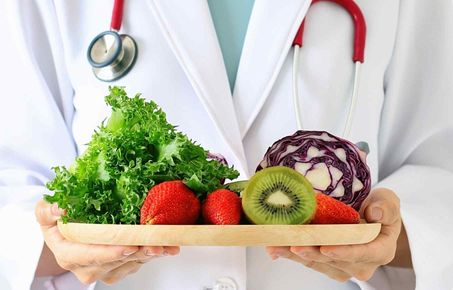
[[358, 261], [93, 262]]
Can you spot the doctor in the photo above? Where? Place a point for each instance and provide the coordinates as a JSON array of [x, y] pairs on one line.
[[50, 103]]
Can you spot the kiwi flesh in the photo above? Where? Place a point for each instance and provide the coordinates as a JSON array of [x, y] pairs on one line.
[[279, 195], [237, 186]]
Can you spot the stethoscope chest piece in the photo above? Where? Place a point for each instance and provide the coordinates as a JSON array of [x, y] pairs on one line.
[[111, 55]]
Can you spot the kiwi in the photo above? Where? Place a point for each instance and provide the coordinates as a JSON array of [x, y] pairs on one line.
[[237, 186], [279, 195]]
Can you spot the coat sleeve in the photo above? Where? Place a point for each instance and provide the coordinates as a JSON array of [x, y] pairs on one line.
[[416, 136], [35, 120]]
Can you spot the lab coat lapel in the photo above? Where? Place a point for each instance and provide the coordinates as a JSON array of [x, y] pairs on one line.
[[187, 25], [271, 30]]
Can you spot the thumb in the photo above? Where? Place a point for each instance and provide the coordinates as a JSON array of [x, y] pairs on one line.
[[47, 214], [383, 207]]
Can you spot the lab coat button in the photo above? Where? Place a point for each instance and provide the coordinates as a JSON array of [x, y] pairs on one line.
[[224, 283]]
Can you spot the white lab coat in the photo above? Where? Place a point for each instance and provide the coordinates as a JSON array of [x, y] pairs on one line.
[[50, 102]]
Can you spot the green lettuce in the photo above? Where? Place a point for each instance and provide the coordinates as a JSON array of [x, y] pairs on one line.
[[130, 153]]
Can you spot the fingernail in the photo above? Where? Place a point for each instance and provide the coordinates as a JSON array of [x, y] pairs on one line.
[[302, 254], [42, 212], [165, 253], [129, 252], [274, 257], [151, 253], [376, 213]]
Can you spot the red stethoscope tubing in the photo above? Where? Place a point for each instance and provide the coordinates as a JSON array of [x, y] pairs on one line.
[[117, 15], [359, 28]]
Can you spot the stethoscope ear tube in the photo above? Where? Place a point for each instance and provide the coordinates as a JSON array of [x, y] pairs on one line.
[[358, 57], [353, 103], [359, 28]]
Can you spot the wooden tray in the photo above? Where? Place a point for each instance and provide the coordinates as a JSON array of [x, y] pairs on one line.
[[213, 235]]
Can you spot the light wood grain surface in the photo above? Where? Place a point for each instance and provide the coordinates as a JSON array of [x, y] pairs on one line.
[[214, 235]]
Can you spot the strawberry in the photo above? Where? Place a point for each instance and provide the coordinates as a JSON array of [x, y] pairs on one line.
[[170, 203], [222, 207], [332, 211]]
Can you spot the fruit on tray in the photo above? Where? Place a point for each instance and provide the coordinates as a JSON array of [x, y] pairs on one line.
[[279, 195], [170, 203], [222, 207], [331, 211], [137, 149], [333, 165]]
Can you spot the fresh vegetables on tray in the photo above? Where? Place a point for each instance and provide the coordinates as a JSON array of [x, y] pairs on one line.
[[139, 169], [133, 151]]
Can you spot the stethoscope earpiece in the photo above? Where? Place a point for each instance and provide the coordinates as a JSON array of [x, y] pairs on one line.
[[110, 54]]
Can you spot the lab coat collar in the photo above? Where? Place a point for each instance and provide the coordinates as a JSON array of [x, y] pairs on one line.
[[188, 28], [271, 30]]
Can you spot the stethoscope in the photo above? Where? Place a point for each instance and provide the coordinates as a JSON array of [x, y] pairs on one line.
[[358, 58], [112, 55]]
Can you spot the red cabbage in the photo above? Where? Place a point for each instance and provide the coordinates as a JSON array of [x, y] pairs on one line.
[[218, 157], [333, 165]]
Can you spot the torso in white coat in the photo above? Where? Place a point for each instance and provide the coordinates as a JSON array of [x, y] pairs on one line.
[[180, 66]]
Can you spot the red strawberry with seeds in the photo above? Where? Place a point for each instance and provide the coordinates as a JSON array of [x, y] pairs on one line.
[[170, 203], [222, 207], [332, 211]]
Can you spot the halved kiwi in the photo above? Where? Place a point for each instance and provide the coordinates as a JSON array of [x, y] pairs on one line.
[[279, 195], [237, 186]]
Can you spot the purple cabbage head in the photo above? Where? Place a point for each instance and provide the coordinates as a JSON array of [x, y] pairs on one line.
[[333, 165]]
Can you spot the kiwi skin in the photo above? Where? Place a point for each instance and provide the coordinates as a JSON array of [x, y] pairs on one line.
[[289, 178], [237, 186]]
